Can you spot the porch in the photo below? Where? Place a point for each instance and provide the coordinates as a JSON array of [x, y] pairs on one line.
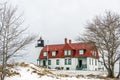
[[42, 62], [82, 67], [81, 63]]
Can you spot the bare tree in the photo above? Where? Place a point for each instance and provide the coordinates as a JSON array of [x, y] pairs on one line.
[[12, 36], [105, 32]]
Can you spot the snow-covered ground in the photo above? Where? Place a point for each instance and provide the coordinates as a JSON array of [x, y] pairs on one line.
[[31, 72]]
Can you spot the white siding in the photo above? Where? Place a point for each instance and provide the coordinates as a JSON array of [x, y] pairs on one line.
[[62, 63], [74, 63], [91, 63]]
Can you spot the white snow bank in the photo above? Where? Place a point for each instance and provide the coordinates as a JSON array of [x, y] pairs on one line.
[[32, 72]]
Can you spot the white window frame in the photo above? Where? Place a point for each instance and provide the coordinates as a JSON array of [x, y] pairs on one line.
[[53, 53], [95, 53], [81, 51], [67, 52], [45, 53]]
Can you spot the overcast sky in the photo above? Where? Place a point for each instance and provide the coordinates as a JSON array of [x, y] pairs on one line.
[[56, 19]]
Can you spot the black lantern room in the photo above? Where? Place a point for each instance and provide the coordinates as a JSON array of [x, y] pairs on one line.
[[40, 42]]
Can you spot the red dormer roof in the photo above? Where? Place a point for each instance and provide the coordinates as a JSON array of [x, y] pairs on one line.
[[88, 48]]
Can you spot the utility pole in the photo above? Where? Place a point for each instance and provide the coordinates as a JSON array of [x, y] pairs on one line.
[[47, 52]]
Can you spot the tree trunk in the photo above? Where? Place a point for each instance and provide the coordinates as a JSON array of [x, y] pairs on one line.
[[118, 76], [2, 76], [110, 73]]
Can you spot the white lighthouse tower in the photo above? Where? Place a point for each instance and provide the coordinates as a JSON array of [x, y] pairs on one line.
[[38, 47]]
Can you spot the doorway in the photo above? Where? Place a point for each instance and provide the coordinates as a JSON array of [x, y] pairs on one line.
[[80, 63], [44, 62]]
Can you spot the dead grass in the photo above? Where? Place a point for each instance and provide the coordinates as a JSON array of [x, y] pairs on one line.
[[79, 76], [62, 75], [16, 64], [101, 77], [10, 65], [91, 76], [11, 73], [23, 64], [112, 79], [41, 71]]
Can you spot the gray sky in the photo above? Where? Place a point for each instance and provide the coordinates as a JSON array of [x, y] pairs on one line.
[[56, 19]]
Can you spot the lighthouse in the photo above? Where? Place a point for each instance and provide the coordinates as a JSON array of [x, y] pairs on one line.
[[38, 47]]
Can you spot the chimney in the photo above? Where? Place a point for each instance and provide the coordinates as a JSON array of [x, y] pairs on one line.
[[70, 41], [65, 40]]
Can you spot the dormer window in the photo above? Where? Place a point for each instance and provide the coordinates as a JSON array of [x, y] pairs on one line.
[[94, 53], [53, 53], [81, 51], [67, 52], [45, 53]]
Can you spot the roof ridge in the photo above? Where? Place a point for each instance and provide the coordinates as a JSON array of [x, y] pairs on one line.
[[70, 43]]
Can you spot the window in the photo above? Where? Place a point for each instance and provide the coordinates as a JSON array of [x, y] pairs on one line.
[[49, 62], [45, 53], [94, 53], [95, 62], [57, 62], [67, 68], [67, 61], [53, 53], [67, 52], [90, 61], [81, 51]]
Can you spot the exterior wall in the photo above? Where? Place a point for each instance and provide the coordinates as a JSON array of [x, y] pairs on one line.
[[101, 65], [92, 63], [84, 60], [74, 63], [62, 63]]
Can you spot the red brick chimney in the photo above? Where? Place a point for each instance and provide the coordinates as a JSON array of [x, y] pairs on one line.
[[70, 41], [65, 40]]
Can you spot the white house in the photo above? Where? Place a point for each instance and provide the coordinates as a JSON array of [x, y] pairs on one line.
[[69, 56]]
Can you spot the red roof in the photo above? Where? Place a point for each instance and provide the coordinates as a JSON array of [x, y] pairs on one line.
[[88, 48]]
